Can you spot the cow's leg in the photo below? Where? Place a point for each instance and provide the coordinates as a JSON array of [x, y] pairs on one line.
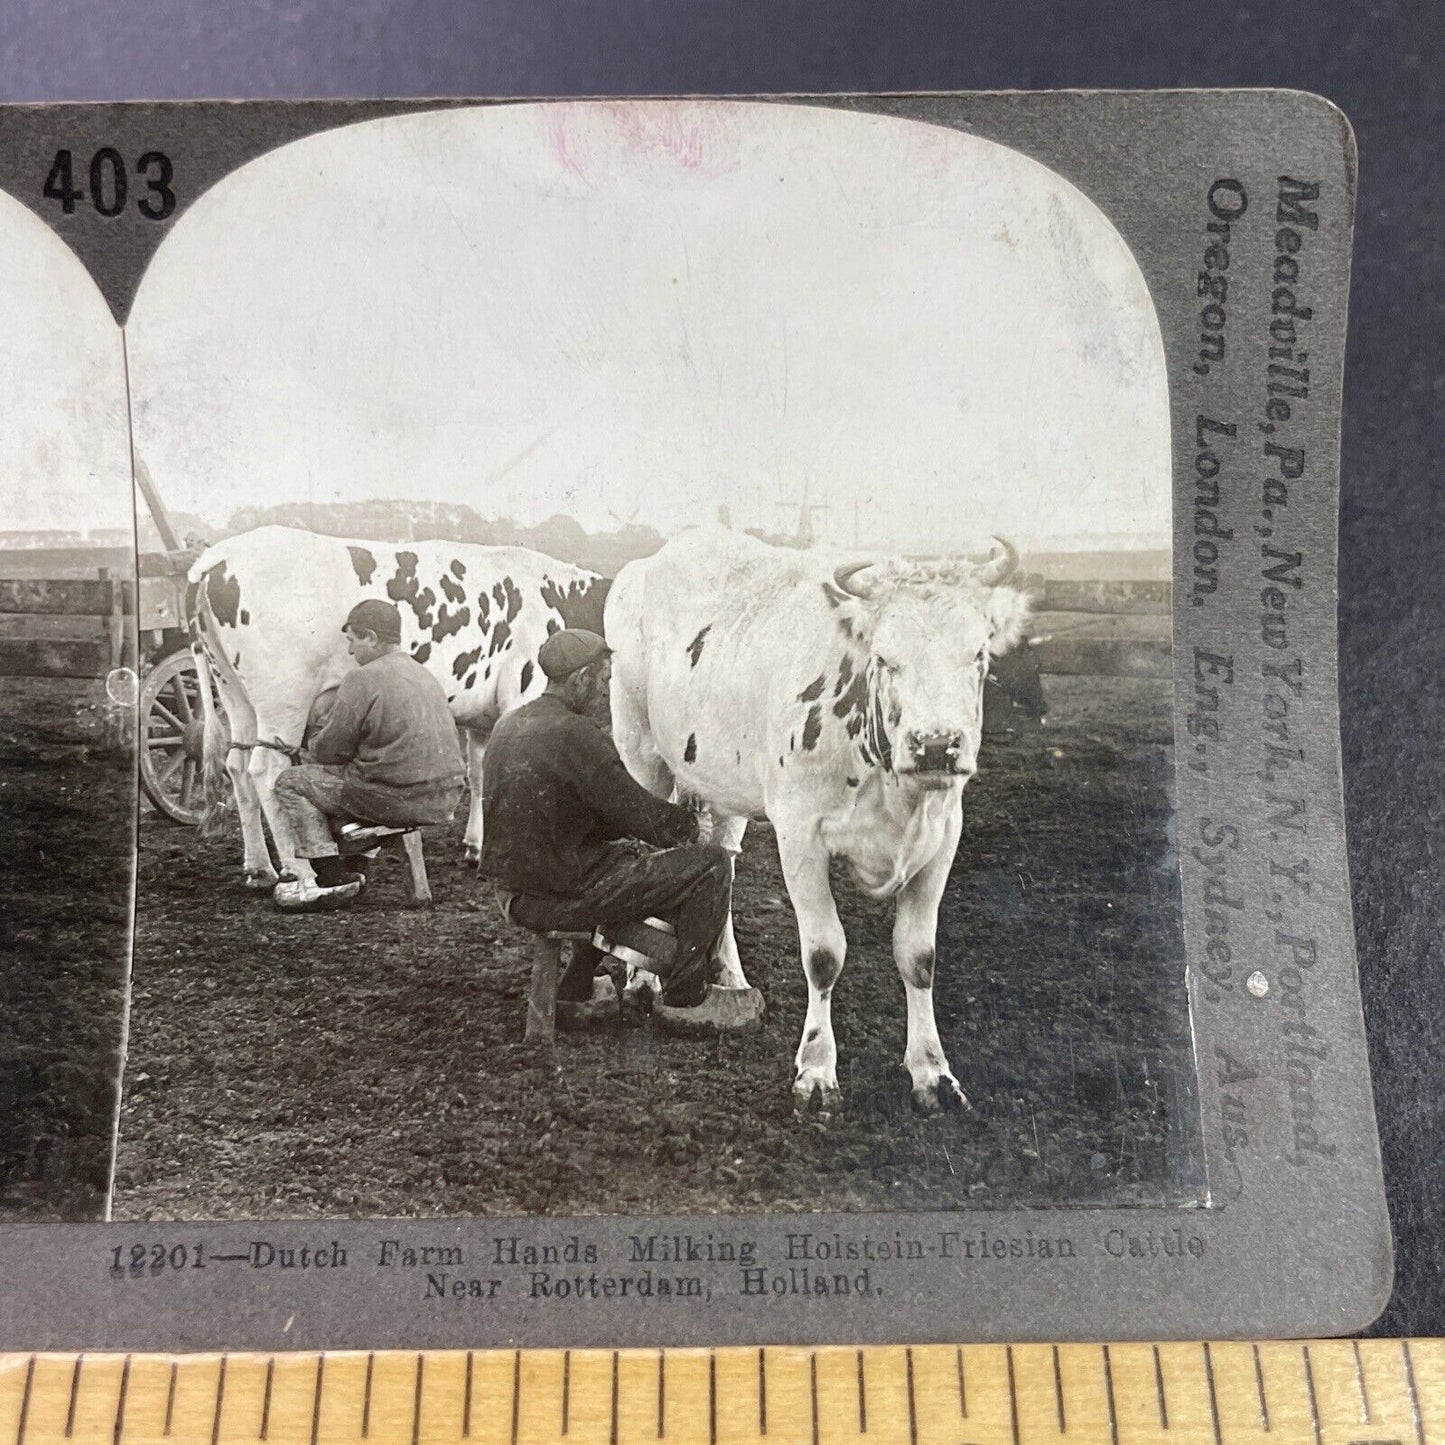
[[259, 874], [267, 764], [476, 743], [728, 835], [632, 736], [823, 945], [915, 934]]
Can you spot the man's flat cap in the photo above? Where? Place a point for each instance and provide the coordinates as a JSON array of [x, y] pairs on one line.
[[376, 616], [565, 652]]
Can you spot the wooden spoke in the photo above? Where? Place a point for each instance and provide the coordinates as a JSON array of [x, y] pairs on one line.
[[171, 705], [183, 698]]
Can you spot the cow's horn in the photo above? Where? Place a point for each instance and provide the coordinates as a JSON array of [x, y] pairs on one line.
[[843, 575], [1001, 566]]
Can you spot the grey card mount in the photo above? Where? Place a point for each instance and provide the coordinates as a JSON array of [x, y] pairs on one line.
[[923, 917]]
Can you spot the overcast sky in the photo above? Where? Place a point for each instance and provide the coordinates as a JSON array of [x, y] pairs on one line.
[[628, 311], [64, 453]]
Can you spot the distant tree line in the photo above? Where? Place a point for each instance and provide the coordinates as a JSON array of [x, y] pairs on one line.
[[394, 520]]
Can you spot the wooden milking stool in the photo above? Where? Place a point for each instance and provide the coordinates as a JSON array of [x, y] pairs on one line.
[[351, 835], [542, 994], [624, 942]]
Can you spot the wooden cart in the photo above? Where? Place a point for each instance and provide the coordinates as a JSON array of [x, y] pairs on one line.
[[169, 716], [132, 636]]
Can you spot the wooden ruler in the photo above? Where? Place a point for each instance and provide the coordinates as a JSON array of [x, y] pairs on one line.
[[1334, 1392]]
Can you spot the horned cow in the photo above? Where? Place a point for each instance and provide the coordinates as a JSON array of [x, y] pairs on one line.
[[844, 704]]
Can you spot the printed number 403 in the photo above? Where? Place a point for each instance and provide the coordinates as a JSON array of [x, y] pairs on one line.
[[110, 183]]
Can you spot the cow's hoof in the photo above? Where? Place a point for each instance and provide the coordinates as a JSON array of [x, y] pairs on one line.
[[261, 880], [472, 854], [815, 1090], [723, 1011], [943, 1096]]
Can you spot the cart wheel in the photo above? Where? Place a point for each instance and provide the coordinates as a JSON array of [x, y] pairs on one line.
[[171, 755]]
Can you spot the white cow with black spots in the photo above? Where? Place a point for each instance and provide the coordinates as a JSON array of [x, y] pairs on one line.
[[267, 609], [844, 704]]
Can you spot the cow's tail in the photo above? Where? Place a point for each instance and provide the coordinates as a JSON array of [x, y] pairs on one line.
[[215, 736]]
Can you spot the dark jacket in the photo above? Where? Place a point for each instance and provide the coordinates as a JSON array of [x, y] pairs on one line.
[[555, 793], [393, 733]]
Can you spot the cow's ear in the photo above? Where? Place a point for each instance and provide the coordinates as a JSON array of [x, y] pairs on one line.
[[853, 615], [1007, 610]]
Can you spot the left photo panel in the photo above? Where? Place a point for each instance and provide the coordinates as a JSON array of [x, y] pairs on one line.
[[69, 685]]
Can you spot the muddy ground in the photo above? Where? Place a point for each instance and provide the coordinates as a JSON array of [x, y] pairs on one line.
[[67, 789], [371, 1063]]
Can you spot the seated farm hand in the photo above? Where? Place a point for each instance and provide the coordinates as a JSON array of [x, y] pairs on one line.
[[558, 803], [388, 754]]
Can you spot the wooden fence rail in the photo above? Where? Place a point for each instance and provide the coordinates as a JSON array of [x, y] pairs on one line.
[[105, 601], [1102, 629], [71, 597], [1067, 595]]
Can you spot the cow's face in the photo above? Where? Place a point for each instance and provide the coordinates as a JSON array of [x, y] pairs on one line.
[[930, 631]]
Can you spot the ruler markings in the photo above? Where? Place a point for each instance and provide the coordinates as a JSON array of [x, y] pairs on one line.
[[813, 1392], [762, 1392], [74, 1390], [25, 1402], [613, 1436], [1159, 1390], [1336, 1410], [220, 1400], [119, 1428], [1414, 1393], [316, 1397], [1259, 1388], [266, 1397], [566, 1388], [366, 1396], [467, 1401], [1059, 1392], [1213, 1394], [1013, 1397], [1109, 1396], [1314, 1399], [1359, 1383], [516, 1395], [912, 1408]]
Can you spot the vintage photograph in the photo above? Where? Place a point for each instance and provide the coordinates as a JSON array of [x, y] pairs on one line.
[[67, 735], [671, 707]]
